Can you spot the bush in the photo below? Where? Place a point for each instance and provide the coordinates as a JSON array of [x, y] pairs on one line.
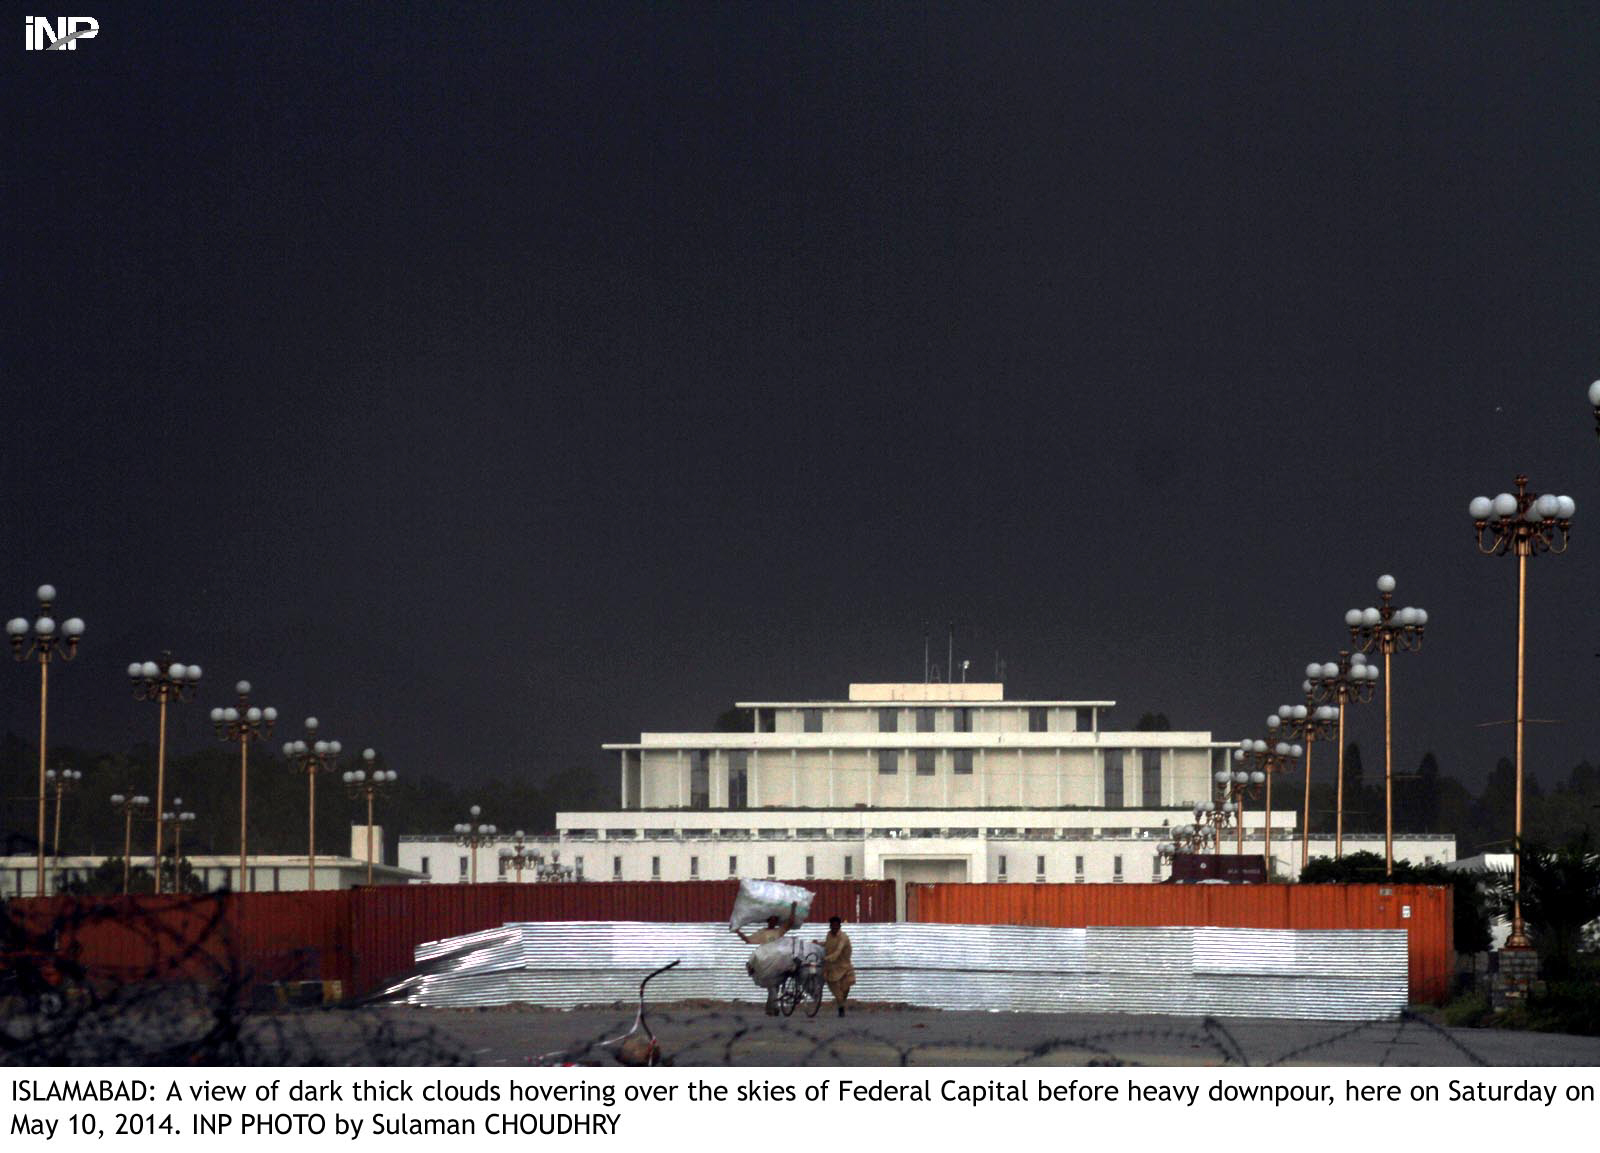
[[1472, 900]]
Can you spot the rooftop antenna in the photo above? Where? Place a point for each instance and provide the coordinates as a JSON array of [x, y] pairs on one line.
[[999, 668]]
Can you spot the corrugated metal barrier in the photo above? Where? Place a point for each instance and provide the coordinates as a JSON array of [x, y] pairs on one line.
[[1343, 975], [1425, 912], [362, 937]]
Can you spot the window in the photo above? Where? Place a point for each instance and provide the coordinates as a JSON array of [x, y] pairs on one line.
[[738, 779], [962, 721], [655, 868], [1002, 866], [1113, 778], [963, 762], [1038, 719], [924, 762], [694, 866], [772, 866], [1038, 867], [1116, 868], [1077, 867], [766, 720], [1155, 867], [616, 868], [733, 866], [811, 866], [811, 720], [888, 720], [849, 864], [577, 867], [1085, 720], [505, 863], [424, 864], [1150, 770], [463, 866], [888, 762], [700, 779], [924, 720]]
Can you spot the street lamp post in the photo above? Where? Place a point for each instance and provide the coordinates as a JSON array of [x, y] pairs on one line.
[[46, 643], [471, 835], [518, 856], [1521, 525], [64, 781], [317, 757], [1309, 723], [368, 782], [1349, 680], [177, 818], [243, 723], [129, 807], [1264, 760], [162, 681], [1388, 630]]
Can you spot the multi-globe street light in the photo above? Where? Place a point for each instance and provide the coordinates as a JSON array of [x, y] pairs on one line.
[[63, 781], [162, 681], [472, 835], [177, 818], [1594, 403], [1264, 760], [1349, 680], [518, 856], [368, 782], [311, 759], [1523, 525], [47, 642], [1387, 630], [1309, 723], [130, 807], [244, 723]]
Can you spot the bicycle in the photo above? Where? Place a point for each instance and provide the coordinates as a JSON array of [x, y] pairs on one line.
[[801, 984]]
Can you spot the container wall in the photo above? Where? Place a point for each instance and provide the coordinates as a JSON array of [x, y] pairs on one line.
[[1424, 911], [360, 937]]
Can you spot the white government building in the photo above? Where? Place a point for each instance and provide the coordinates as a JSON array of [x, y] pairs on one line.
[[904, 782]]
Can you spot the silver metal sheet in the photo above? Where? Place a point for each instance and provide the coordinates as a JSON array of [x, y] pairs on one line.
[[1354, 975]]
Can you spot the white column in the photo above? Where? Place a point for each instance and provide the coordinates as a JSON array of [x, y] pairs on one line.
[[794, 777], [752, 783], [833, 802], [1022, 786], [983, 778], [1058, 777], [624, 794], [683, 781]]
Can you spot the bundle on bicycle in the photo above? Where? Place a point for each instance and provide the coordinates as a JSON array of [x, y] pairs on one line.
[[790, 970]]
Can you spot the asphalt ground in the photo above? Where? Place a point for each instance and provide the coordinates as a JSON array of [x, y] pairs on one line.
[[711, 1033]]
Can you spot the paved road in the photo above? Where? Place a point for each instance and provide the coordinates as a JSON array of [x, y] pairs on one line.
[[715, 1034]]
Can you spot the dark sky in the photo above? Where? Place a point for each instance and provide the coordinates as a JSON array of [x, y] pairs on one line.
[[494, 382]]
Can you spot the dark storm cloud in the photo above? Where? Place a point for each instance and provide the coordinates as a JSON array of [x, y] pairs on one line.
[[500, 381]]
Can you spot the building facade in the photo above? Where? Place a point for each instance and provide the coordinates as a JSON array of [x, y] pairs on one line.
[[906, 782]]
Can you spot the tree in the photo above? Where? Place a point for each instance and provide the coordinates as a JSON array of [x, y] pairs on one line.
[[1560, 899]]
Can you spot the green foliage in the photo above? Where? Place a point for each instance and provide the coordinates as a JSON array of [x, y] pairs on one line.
[[1560, 898], [1472, 902]]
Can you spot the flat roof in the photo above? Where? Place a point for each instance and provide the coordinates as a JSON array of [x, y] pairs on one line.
[[926, 701], [1134, 739]]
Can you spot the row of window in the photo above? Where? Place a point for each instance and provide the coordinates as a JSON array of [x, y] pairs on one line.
[[923, 720], [1002, 872], [733, 867], [925, 764]]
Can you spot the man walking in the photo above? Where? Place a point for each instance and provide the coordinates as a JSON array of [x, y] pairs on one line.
[[837, 970]]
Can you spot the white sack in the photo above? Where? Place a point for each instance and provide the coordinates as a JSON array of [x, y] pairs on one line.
[[758, 900], [769, 962]]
